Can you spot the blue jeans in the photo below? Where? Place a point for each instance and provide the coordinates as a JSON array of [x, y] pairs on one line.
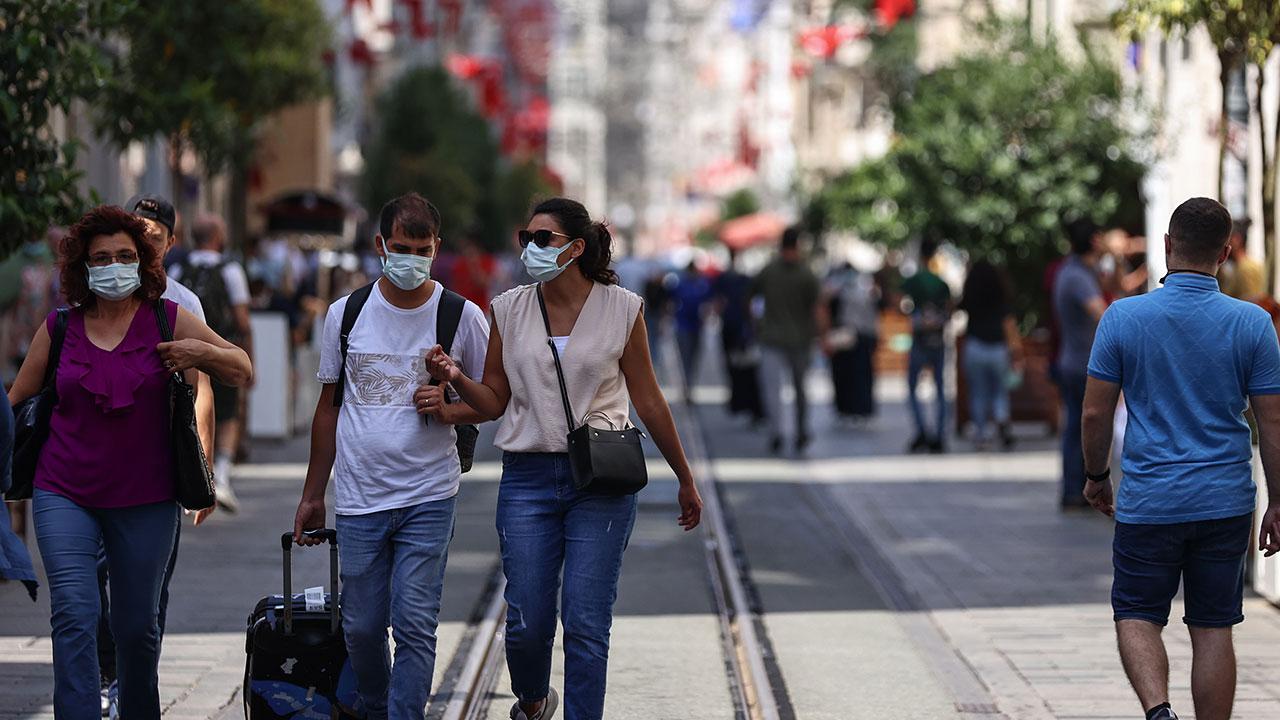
[[934, 359], [392, 567], [138, 541], [1072, 385], [106, 641], [986, 365], [548, 529]]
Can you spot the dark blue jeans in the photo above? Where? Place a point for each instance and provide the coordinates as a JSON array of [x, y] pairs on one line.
[[934, 359], [139, 542], [548, 530], [392, 564], [1207, 556], [1072, 386]]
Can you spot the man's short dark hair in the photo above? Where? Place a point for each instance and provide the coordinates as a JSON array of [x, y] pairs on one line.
[[790, 238], [928, 248], [1080, 233], [413, 214], [1199, 229]]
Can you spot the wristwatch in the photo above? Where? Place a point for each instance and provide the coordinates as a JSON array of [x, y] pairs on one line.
[[1103, 476]]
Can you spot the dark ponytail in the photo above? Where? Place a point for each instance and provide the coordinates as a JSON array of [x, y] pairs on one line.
[[576, 223]]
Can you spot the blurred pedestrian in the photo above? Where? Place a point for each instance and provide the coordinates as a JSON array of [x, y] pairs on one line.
[[103, 478], [1078, 303], [549, 529], [1243, 277], [471, 272], [15, 560], [1189, 359], [36, 292], [657, 308], [992, 349], [395, 476], [855, 320], [691, 293], [223, 288], [931, 307], [793, 320], [732, 290]]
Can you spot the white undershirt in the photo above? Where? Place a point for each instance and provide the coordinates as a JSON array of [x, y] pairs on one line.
[[560, 341]]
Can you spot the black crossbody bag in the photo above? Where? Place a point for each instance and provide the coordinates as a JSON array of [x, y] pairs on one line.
[[192, 476], [604, 462]]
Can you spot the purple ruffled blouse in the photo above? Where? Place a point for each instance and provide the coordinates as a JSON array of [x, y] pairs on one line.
[[108, 443]]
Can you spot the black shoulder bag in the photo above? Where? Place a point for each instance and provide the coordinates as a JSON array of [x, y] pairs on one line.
[[604, 462], [31, 418], [448, 317], [192, 477]]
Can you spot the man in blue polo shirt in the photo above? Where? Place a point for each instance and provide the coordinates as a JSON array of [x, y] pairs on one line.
[[1190, 360]]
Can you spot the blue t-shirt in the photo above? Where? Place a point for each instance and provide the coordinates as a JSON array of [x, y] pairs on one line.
[[691, 293], [1188, 358], [1075, 287]]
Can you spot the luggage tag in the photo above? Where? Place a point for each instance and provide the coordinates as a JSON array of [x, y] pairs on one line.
[[314, 597]]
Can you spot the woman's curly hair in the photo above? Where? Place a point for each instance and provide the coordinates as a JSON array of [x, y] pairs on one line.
[[73, 255]]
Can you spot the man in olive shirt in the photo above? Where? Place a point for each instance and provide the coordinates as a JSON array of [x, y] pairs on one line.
[[793, 319]]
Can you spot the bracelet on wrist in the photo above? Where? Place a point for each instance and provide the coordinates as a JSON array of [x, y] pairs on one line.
[[1103, 476]]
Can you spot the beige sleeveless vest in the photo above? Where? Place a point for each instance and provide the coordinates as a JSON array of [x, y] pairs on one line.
[[534, 421]]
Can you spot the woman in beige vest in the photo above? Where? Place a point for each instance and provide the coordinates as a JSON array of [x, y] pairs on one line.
[[547, 527]]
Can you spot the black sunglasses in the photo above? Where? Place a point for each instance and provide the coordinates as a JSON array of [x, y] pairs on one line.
[[541, 238]]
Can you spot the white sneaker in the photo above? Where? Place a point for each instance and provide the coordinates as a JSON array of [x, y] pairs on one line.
[[226, 497], [549, 707]]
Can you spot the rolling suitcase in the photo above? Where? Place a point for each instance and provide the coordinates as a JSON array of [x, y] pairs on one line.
[[296, 659]]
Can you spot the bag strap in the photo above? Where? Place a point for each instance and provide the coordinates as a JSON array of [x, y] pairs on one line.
[[555, 353], [55, 345], [355, 303]]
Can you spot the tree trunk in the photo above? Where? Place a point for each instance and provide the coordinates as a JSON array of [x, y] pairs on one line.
[[179, 199], [1226, 61], [1268, 180], [237, 205]]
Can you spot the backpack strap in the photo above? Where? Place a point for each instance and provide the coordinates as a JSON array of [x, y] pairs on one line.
[[448, 318], [355, 303]]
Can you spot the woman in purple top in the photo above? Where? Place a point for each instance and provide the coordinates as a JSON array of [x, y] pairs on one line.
[[105, 474]]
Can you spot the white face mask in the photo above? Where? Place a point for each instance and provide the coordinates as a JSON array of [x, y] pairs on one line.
[[405, 271], [541, 262], [115, 281]]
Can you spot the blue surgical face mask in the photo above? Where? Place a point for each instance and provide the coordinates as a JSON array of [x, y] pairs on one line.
[[405, 271], [542, 262], [115, 281]]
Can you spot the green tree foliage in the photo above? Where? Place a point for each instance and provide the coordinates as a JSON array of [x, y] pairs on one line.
[[739, 203], [206, 74], [50, 56], [428, 139], [992, 154]]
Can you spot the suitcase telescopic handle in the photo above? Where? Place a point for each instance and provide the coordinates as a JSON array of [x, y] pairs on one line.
[[330, 536]]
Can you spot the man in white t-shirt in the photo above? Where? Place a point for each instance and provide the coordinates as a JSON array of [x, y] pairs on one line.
[[223, 287], [395, 474]]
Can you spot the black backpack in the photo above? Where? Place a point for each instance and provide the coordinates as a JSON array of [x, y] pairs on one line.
[[448, 317], [207, 282]]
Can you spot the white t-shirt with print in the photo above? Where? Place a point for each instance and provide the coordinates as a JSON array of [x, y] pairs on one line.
[[387, 457]]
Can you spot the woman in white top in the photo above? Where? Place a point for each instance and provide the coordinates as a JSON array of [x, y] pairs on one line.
[[547, 527]]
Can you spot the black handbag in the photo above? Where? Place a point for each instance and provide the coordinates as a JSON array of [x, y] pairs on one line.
[[192, 476], [31, 418], [603, 462]]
